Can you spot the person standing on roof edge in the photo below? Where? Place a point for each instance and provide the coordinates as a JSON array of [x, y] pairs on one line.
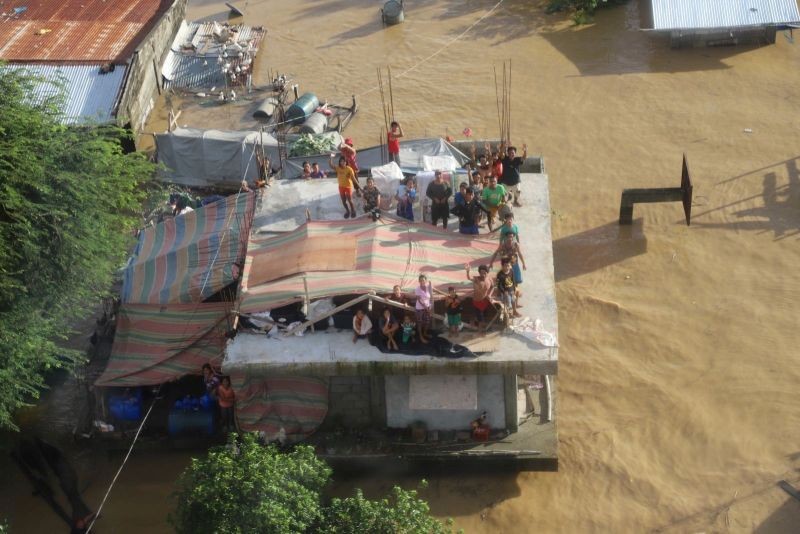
[[371, 196], [482, 287], [393, 141], [439, 192], [344, 174], [511, 177], [348, 151], [493, 197], [424, 306]]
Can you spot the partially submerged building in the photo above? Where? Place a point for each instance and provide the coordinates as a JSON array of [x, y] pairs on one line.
[[719, 23], [307, 265], [107, 54]]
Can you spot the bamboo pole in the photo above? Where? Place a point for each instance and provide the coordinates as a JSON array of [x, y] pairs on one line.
[[308, 300], [337, 309]]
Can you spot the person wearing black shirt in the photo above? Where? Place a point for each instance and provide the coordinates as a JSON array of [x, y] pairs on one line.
[[439, 192], [511, 165], [469, 213]]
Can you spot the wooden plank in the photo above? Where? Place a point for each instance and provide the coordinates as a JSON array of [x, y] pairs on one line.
[[337, 309]]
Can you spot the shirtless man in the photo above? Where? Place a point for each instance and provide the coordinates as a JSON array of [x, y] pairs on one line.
[[482, 287]]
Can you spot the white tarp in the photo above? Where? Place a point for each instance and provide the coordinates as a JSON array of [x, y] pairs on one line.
[[197, 157]]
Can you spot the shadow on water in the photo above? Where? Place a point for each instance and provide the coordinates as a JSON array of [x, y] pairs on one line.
[[779, 213], [595, 249], [784, 519]]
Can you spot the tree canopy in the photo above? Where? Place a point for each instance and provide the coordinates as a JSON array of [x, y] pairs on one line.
[[246, 487], [69, 197]]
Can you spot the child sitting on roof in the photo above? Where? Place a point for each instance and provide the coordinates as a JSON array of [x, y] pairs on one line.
[[362, 325]]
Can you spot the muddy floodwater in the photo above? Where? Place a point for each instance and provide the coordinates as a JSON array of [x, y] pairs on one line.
[[679, 365]]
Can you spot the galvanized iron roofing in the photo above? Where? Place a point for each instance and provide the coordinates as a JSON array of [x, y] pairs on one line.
[[75, 30], [200, 65], [90, 95], [705, 14]]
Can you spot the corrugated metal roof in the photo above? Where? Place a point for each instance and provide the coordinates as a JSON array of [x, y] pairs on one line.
[[90, 96], [200, 65], [704, 14], [75, 30]]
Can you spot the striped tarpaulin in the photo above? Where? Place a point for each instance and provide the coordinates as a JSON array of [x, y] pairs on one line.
[[290, 406], [155, 344], [388, 252], [190, 257]]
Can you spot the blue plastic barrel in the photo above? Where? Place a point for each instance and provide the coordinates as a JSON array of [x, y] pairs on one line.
[[302, 108], [192, 423]]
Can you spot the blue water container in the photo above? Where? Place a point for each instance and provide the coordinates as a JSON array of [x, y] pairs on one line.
[[302, 108], [190, 423], [126, 407]]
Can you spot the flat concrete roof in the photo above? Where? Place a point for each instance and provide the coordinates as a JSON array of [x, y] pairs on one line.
[[332, 353]]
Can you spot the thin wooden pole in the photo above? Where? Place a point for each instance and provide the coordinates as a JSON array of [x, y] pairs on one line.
[[337, 309], [308, 300]]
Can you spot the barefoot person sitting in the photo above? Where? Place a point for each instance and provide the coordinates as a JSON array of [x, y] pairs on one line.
[[389, 327], [362, 325]]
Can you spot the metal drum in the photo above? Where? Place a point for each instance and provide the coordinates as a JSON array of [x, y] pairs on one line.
[[315, 124], [266, 109], [392, 12]]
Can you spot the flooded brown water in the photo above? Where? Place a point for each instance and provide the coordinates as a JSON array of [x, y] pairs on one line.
[[679, 373]]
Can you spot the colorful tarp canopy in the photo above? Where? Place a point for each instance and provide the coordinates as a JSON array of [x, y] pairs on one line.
[[155, 344], [361, 256], [190, 257], [290, 407]]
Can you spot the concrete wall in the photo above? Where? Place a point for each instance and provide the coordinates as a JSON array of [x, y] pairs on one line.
[[144, 70], [723, 37], [355, 402], [491, 398]]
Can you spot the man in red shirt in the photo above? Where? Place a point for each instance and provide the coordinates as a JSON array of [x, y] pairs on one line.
[[393, 141]]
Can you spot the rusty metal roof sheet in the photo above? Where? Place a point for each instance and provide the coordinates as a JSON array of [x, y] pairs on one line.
[[89, 95], [694, 14], [75, 30]]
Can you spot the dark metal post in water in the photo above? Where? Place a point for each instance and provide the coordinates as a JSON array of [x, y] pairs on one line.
[[658, 194]]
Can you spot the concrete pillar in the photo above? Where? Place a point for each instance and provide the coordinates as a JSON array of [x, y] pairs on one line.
[[510, 394]]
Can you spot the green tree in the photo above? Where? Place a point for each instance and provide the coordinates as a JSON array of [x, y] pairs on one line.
[[244, 487], [69, 198], [403, 513]]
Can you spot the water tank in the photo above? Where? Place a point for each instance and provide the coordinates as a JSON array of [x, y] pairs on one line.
[[192, 422], [302, 108], [266, 109], [392, 12], [315, 124]]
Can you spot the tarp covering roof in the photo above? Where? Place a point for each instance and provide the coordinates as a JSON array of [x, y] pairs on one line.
[[290, 406], [155, 344], [190, 257], [695, 15], [197, 157], [388, 252]]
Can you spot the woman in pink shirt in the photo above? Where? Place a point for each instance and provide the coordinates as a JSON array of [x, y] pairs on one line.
[[424, 294]]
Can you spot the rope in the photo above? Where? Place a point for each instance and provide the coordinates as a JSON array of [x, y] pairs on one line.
[[442, 49], [124, 461]]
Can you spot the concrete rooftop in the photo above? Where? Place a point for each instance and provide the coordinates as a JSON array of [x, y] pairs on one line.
[[332, 352]]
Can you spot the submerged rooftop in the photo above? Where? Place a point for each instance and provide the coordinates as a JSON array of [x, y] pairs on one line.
[[333, 353]]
